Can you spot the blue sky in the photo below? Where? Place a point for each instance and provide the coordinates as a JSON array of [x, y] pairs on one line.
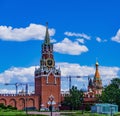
[[81, 31]]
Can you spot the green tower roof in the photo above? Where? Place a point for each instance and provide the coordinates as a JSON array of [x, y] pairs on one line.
[[47, 37]]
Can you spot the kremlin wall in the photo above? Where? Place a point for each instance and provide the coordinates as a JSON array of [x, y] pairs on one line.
[[47, 81]]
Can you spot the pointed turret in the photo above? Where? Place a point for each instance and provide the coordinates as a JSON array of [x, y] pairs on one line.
[[97, 82], [90, 83], [47, 37], [97, 75]]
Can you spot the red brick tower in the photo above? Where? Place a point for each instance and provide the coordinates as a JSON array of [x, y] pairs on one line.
[[47, 77]]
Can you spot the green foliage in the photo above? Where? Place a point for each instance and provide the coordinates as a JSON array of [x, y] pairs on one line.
[[117, 114], [11, 107], [74, 100], [7, 108], [87, 107], [12, 111], [2, 106], [111, 94]]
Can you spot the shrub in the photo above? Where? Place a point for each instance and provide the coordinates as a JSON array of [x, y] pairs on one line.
[[87, 107], [2, 106]]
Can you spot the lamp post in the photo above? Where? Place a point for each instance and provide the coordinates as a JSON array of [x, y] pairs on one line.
[[26, 106], [26, 99], [82, 102], [111, 113], [111, 110], [82, 106]]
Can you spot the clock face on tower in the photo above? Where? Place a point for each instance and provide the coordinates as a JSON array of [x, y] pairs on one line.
[[49, 62]]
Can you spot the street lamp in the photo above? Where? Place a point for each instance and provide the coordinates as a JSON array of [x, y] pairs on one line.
[[82, 101], [26, 105], [111, 110], [111, 107], [82, 105], [26, 99]]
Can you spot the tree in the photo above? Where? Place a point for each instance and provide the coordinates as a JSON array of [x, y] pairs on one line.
[[75, 98], [111, 93]]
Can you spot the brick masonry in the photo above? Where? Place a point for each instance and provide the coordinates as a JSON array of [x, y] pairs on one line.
[[20, 101]]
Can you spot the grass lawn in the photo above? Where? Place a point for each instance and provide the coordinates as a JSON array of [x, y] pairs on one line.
[[16, 113], [77, 113], [12, 113]]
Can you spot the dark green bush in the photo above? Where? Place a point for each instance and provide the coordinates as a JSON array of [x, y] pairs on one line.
[[2, 106]]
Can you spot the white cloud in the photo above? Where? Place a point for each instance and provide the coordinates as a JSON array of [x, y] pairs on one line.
[[109, 72], [82, 35], [105, 40], [98, 39], [33, 31], [52, 40], [18, 75], [116, 38], [81, 40], [10, 90], [106, 73], [75, 69], [6, 91], [69, 47], [24, 75]]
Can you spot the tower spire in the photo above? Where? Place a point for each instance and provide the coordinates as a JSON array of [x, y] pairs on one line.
[[97, 75], [97, 82], [47, 38]]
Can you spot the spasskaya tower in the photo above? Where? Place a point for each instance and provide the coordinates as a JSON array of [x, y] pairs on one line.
[[47, 77]]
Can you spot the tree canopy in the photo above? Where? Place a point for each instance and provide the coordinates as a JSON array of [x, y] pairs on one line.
[[74, 99], [111, 93]]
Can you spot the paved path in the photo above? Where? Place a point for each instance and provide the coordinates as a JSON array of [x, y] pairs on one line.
[[49, 113], [46, 113]]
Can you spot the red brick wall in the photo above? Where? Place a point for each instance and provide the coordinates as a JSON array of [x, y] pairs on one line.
[[20, 101], [48, 86]]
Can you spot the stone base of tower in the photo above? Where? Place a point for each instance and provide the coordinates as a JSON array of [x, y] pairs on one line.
[[48, 88], [51, 96]]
